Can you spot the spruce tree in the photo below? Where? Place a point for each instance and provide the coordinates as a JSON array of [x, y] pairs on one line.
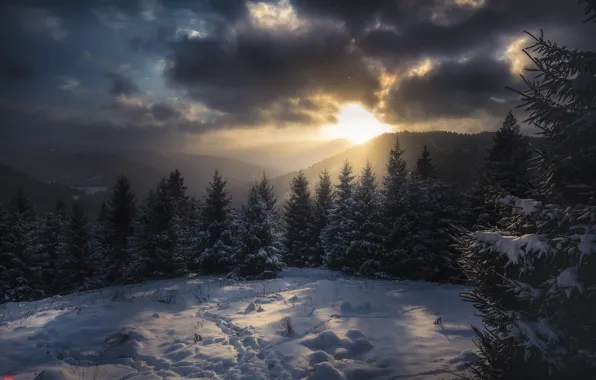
[[257, 240], [17, 274], [299, 239], [155, 249], [121, 209], [267, 194], [46, 249], [424, 168], [177, 190], [322, 204], [336, 236], [396, 212], [76, 262], [366, 240], [533, 282], [507, 163], [215, 255]]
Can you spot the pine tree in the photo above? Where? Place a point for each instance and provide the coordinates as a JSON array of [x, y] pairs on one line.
[[76, 262], [267, 194], [47, 244], [533, 282], [366, 240], [335, 237], [424, 168], [177, 190], [257, 245], [17, 275], [215, 256], [396, 212], [121, 209], [322, 205], [299, 239], [155, 249]]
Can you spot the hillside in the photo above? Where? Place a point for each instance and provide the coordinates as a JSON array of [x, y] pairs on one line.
[[456, 156], [43, 195]]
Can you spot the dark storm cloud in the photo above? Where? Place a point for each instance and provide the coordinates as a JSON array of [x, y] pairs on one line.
[[453, 90], [260, 68], [162, 112], [121, 84]]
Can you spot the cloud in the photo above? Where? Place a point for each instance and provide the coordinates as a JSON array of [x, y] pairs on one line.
[[121, 84], [42, 21], [453, 89], [112, 16], [71, 85]]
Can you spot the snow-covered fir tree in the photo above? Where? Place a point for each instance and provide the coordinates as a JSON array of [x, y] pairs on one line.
[[322, 204], [75, 263], [215, 255], [299, 238], [119, 218], [424, 167], [396, 187], [155, 251], [177, 190], [17, 275], [336, 236], [366, 237], [534, 283], [267, 194], [45, 250], [257, 240]]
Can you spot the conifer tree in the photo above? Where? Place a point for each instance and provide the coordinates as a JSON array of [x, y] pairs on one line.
[[76, 261], [299, 239], [121, 209], [336, 236], [424, 168], [267, 194], [257, 240], [177, 190], [507, 162], [396, 221], [17, 275], [366, 240], [533, 282], [155, 249], [216, 216], [47, 244], [322, 204]]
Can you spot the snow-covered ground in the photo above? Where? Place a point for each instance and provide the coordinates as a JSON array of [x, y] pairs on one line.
[[216, 328]]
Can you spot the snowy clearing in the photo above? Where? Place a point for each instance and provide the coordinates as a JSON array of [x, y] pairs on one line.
[[306, 324]]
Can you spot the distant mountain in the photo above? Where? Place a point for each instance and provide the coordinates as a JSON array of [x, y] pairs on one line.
[[43, 195], [289, 156], [93, 172], [456, 157]]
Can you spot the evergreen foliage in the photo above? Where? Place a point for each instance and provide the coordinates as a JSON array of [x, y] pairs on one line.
[[300, 239], [424, 168], [366, 240], [322, 204], [257, 240], [336, 236], [533, 282], [267, 194], [216, 216]]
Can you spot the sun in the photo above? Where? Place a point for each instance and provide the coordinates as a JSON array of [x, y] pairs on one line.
[[356, 124]]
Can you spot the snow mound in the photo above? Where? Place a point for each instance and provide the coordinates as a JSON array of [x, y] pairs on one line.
[[353, 346], [96, 372], [317, 357], [463, 360], [326, 371]]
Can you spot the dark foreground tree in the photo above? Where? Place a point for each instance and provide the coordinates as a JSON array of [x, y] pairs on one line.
[[299, 239]]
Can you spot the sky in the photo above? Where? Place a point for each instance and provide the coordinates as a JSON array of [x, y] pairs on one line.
[[223, 74]]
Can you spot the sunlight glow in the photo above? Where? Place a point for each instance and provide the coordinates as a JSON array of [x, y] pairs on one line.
[[274, 15], [518, 60], [356, 124]]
